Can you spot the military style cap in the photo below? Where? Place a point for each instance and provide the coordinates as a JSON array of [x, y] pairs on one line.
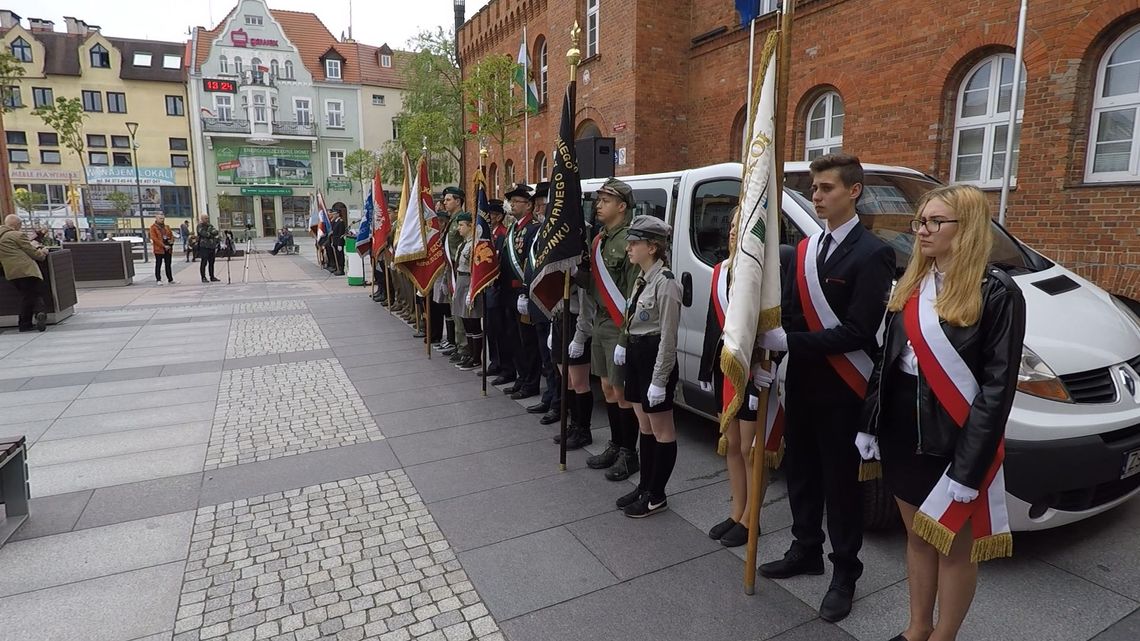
[[615, 187], [649, 228], [455, 191], [494, 207], [463, 217], [520, 190], [541, 190]]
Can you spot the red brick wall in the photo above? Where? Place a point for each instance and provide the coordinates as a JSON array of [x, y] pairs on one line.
[[896, 63]]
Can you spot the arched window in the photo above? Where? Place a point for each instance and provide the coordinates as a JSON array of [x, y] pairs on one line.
[[237, 65], [540, 167], [981, 122], [510, 172], [223, 64], [542, 71], [289, 69], [274, 68], [1114, 142], [824, 126], [736, 137], [21, 50], [588, 129]]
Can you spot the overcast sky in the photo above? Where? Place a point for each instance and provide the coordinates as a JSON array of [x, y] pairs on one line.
[[373, 21]]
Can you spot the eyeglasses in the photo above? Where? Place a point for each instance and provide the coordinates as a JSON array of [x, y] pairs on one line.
[[932, 224]]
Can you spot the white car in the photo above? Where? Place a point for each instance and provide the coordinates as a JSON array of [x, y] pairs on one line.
[[1073, 437]]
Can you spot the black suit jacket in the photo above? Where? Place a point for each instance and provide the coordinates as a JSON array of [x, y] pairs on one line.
[[856, 281]]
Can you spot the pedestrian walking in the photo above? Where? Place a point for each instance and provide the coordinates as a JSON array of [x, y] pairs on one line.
[[20, 259], [184, 235], [162, 244], [208, 240], [937, 405]]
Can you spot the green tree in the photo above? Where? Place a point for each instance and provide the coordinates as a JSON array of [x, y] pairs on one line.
[[11, 70], [491, 102], [28, 200], [66, 117], [360, 166], [120, 202]]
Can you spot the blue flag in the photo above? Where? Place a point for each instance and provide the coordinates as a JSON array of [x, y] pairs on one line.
[[364, 234], [748, 10]]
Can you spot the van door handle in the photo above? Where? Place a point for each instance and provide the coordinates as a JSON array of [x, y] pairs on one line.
[[686, 289]]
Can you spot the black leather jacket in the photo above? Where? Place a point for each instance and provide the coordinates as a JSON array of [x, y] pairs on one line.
[[992, 350]]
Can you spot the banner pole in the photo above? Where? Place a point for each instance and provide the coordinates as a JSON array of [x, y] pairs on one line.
[[427, 323], [564, 347], [486, 344], [757, 485], [1007, 167]]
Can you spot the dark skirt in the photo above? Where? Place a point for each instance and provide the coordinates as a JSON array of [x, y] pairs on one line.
[[640, 357], [910, 476]]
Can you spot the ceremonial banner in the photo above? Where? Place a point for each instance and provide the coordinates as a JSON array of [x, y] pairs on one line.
[[419, 251], [561, 241], [323, 222], [364, 234], [484, 259], [381, 217]]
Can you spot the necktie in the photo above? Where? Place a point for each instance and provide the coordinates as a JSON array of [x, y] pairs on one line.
[[823, 247]]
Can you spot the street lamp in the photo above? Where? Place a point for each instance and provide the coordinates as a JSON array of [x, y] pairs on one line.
[[132, 128]]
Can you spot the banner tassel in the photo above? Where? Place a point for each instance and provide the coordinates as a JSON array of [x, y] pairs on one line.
[[995, 546], [933, 532], [774, 459], [870, 470]]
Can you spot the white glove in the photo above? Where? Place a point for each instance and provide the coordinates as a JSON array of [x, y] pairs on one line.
[[522, 306], [753, 402], [867, 445], [761, 377], [655, 395], [706, 386], [961, 493], [775, 340], [550, 341], [619, 355], [576, 349]]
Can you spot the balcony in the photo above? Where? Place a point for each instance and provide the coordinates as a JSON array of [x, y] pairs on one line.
[[258, 78], [226, 125], [290, 128]]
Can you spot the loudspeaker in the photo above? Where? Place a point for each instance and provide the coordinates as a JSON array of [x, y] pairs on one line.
[[595, 157]]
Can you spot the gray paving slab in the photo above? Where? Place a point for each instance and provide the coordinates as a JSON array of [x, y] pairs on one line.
[[144, 499], [485, 470], [59, 380], [127, 373], [50, 561], [254, 479], [37, 396], [129, 400], [476, 520], [14, 416], [115, 470], [306, 355], [1126, 629], [415, 381], [130, 420], [250, 361], [161, 636], [30, 430], [446, 415], [179, 369], [52, 515], [391, 358], [698, 599], [372, 372], [12, 384], [118, 443], [460, 440], [708, 505], [632, 547], [161, 383], [129, 605], [447, 392], [24, 370], [552, 564], [816, 630]]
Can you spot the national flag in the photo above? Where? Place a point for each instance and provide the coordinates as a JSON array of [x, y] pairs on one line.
[[484, 259], [754, 297], [524, 76], [364, 234], [314, 216], [402, 208], [381, 218], [561, 241], [324, 225], [749, 10], [419, 251]]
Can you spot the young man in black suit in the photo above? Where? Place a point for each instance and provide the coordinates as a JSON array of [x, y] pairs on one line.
[[833, 306]]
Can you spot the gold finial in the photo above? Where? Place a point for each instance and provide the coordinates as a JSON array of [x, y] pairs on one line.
[[483, 153], [574, 55], [424, 148]]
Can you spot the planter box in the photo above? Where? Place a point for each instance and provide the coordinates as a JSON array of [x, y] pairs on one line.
[[58, 290], [102, 263]]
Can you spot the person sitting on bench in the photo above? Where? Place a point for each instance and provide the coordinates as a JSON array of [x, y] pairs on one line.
[[284, 239]]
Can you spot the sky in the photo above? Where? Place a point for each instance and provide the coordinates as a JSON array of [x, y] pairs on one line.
[[374, 22]]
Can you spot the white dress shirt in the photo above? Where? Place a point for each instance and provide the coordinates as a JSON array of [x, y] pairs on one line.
[[838, 235]]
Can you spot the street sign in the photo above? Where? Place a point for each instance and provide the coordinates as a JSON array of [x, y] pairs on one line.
[[266, 191]]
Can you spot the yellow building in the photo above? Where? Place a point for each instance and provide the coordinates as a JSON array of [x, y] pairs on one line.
[[122, 83]]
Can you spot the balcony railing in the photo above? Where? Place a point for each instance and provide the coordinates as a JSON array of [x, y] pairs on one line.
[[281, 128], [290, 128], [226, 125], [259, 78]]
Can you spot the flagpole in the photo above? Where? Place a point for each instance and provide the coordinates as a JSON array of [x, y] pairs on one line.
[[573, 56], [757, 483], [526, 109], [474, 243], [1007, 170], [748, 97]]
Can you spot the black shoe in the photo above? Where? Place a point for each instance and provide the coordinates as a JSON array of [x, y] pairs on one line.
[[644, 507], [204, 280], [468, 365], [735, 537], [27, 329], [626, 466], [338, 273], [794, 563], [502, 380], [41, 321], [458, 357], [627, 500], [215, 280], [419, 334], [605, 459], [550, 418], [450, 351], [837, 602], [538, 408], [491, 371], [512, 388], [720, 529], [578, 437], [524, 393]]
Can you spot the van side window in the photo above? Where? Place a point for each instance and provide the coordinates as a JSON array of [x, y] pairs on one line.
[[651, 202], [711, 218], [789, 233]]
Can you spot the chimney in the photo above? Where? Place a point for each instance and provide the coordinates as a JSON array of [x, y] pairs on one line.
[[8, 19], [75, 25], [39, 24]]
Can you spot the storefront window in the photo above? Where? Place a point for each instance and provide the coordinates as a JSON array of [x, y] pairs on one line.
[[176, 202], [295, 212], [235, 212]]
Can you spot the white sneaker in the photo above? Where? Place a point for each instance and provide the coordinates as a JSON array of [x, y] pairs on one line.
[[158, 282]]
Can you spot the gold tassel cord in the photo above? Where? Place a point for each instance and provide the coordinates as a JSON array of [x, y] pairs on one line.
[[870, 470], [774, 459], [995, 546], [769, 319], [933, 533], [722, 446], [738, 375]]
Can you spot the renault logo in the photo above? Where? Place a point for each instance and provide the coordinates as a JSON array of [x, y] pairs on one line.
[[1129, 382]]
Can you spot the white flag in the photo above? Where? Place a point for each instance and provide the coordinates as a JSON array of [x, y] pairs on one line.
[[412, 244]]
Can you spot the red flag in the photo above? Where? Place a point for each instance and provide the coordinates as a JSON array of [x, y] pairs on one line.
[[382, 225], [484, 260]]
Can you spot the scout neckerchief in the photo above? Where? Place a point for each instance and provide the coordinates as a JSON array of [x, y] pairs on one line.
[[774, 420], [940, 517], [853, 367], [515, 248], [608, 291]]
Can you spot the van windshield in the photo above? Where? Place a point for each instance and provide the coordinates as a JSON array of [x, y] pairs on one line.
[[888, 205]]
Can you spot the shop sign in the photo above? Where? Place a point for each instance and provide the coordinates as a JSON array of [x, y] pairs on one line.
[[126, 176], [266, 191], [252, 165]]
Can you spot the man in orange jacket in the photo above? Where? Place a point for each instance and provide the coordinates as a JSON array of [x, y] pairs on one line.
[[162, 239]]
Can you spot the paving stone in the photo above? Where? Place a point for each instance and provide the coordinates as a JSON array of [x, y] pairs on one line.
[[274, 335]]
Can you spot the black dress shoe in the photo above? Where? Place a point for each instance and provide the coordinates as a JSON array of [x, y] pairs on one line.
[[503, 380], [491, 371], [607, 458], [538, 408], [511, 389], [836, 603], [735, 537], [550, 418], [794, 563], [524, 393], [720, 529]]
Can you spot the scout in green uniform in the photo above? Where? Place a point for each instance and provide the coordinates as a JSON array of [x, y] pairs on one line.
[[454, 201], [470, 316], [612, 282]]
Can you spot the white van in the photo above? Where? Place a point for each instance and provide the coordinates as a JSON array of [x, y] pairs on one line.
[[1073, 438]]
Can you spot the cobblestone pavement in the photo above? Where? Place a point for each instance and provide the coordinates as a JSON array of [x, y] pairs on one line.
[[355, 559], [281, 410], [269, 306], [274, 335]]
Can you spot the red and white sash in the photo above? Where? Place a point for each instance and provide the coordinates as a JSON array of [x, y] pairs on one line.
[[609, 292], [853, 367], [940, 517]]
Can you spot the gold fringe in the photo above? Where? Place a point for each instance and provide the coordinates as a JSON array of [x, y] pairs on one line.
[[722, 446], [738, 375], [870, 470], [995, 546], [933, 533], [768, 319], [774, 459]]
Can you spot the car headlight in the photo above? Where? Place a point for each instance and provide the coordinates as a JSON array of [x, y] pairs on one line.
[[1036, 379]]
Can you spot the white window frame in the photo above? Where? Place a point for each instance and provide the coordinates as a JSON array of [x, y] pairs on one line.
[[260, 107], [142, 59], [989, 122], [254, 21], [768, 6], [377, 100], [303, 106], [224, 102], [395, 128], [593, 27], [332, 64], [831, 141], [223, 65], [336, 164], [339, 111], [171, 62], [238, 68], [543, 68], [1114, 103], [288, 69], [385, 60], [274, 69], [542, 168]]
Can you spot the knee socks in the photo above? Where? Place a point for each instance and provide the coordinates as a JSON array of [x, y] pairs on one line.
[[665, 459], [615, 415], [648, 462], [630, 429], [585, 404]]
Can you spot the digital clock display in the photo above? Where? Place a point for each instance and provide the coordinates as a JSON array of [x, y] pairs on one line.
[[219, 86]]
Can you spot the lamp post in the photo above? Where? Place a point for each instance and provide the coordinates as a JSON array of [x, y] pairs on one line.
[[132, 128]]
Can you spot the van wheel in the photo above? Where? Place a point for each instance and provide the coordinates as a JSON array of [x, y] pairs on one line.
[[879, 508]]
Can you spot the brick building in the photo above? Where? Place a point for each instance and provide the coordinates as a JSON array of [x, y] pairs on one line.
[[919, 83]]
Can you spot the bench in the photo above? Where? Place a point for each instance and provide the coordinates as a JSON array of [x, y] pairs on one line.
[[14, 491], [291, 250]]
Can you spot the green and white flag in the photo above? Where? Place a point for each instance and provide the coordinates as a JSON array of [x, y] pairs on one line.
[[524, 76]]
